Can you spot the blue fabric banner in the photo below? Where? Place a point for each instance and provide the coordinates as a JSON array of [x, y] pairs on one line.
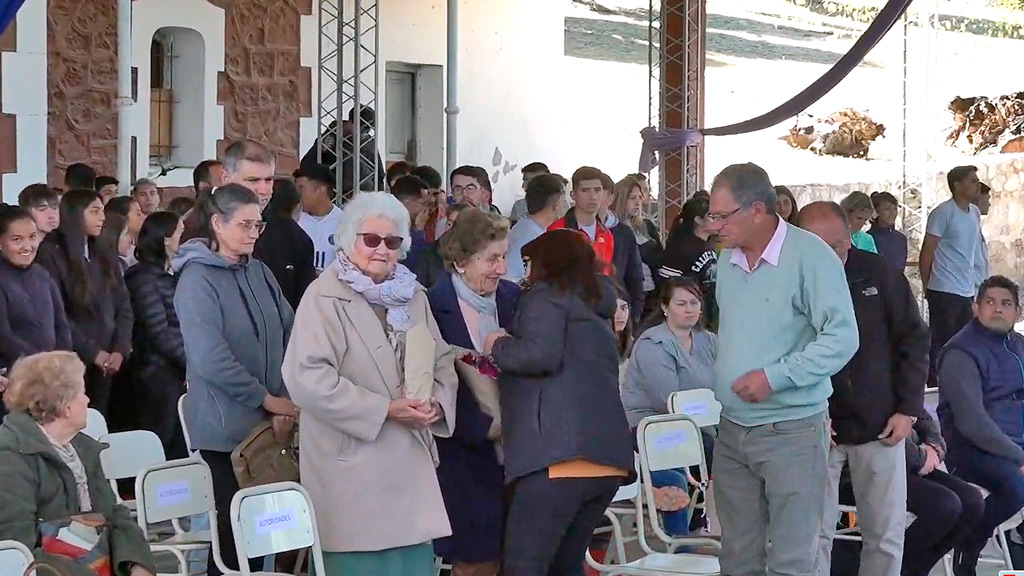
[[8, 9]]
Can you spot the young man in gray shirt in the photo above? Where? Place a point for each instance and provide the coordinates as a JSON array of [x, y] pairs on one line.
[[948, 259]]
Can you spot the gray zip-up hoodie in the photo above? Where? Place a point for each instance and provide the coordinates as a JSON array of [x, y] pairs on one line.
[[235, 323]]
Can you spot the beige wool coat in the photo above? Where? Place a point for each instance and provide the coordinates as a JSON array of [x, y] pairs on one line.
[[372, 481]]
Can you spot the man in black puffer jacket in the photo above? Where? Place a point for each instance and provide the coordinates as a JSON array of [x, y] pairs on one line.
[[876, 398], [156, 369]]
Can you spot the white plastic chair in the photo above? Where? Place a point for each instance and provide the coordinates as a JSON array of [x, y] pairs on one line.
[[272, 519], [622, 507], [666, 442], [999, 536], [171, 491], [703, 408], [699, 404], [128, 454], [184, 427], [15, 558], [95, 424]]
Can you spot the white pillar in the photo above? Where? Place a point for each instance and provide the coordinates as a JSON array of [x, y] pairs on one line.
[[124, 94], [452, 109]]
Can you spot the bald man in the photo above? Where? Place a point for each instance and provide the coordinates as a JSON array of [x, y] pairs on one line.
[[876, 399]]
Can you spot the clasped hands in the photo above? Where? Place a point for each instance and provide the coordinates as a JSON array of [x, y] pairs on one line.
[[416, 413]]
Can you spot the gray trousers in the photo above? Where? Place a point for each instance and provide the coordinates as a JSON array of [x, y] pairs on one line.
[[769, 484], [879, 476]]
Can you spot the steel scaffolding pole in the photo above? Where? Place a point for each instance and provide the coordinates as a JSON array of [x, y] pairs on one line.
[[349, 82], [677, 69]]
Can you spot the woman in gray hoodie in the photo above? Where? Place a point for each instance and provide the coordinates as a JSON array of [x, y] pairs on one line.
[[235, 323]]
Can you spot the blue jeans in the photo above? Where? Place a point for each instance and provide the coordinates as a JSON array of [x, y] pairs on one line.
[[678, 523], [1005, 483]]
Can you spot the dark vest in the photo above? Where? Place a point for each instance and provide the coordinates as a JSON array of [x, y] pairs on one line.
[[1000, 360]]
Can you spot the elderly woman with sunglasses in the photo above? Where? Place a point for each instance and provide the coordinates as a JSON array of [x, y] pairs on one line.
[[371, 405]]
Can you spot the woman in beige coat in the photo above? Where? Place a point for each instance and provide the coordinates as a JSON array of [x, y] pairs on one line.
[[366, 438]]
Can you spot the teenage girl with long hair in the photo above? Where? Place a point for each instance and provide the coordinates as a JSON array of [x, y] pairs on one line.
[[93, 290]]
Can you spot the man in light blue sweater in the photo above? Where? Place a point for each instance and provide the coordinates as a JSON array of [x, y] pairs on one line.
[[786, 326]]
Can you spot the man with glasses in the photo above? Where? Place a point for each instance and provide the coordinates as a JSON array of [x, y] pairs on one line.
[[472, 186], [43, 203], [786, 325], [282, 246]]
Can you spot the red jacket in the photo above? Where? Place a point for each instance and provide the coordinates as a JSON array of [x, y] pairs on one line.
[[603, 242]]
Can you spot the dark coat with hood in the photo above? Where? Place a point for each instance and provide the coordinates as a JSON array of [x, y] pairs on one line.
[[235, 323], [559, 383], [36, 485], [470, 476]]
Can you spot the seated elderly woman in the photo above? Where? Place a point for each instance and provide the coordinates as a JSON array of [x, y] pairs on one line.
[[470, 302], [51, 471], [370, 405]]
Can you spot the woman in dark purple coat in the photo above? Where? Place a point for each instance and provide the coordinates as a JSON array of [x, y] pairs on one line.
[[469, 303]]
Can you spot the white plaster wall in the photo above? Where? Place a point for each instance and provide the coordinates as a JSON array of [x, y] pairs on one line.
[[512, 90], [148, 16], [24, 95], [512, 94]]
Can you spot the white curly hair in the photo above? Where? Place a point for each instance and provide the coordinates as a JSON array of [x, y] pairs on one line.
[[372, 205]]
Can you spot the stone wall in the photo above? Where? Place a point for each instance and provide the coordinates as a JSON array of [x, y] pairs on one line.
[[82, 85], [1003, 227], [264, 88]]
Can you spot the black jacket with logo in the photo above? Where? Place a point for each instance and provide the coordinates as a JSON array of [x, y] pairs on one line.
[[888, 373]]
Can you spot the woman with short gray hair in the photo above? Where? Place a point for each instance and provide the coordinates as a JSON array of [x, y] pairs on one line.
[[371, 406], [235, 322]]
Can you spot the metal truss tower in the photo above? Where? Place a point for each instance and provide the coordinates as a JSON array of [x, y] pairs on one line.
[[915, 186], [676, 58], [349, 80]]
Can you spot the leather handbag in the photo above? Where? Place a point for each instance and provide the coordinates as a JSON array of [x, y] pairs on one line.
[[262, 459]]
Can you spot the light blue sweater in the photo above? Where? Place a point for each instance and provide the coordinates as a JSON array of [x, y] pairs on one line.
[[795, 321]]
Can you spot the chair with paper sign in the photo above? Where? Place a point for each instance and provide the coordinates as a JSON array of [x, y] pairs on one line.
[[272, 519], [666, 442], [699, 404], [172, 491], [15, 558], [703, 408]]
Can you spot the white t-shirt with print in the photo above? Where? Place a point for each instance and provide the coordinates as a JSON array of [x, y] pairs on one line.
[[321, 230]]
